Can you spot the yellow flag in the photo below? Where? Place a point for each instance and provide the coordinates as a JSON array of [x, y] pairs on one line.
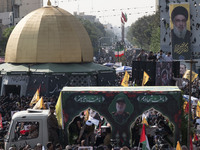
[[40, 104], [86, 113], [187, 75], [125, 79], [184, 105], [198, 103], [198, 111], [35, 98], [145, 78], [59, 112], [144, 121], [178, 146]]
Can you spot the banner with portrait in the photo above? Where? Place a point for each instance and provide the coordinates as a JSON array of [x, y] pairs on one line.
[[180, 31], [120, 107], [163, 73]]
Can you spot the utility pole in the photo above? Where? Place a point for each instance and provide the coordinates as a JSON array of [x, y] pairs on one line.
[[13, 12], [190, 93]]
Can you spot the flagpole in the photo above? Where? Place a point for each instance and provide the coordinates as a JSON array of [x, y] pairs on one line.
[[122, 42], [139, 146], [118, 51]]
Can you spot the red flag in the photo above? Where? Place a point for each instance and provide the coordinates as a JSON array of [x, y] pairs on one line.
[[143, 136], [1, 125], [191, 145], [144, 139], [195, 137], [23, 132], [124, 17], [187, 108]]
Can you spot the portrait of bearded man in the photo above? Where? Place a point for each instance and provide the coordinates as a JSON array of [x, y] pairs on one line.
[[180, 34]]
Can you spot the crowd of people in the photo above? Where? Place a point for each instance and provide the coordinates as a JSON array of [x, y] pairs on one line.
[[132, 55], [160, 57], [83, 131], [13, 103]]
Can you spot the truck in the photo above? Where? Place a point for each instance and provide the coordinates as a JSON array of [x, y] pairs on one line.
[[74, 100], [20, 125]]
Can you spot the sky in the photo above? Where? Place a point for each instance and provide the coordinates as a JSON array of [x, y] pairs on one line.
[[108, 11]]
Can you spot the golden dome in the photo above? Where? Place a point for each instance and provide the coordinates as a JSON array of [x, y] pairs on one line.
[[49, 35]]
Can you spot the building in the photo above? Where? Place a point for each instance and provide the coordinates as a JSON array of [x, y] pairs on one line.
[[6, 16], [165, 32], [50, 48], [22, 7], [6, 6], [12, 11]]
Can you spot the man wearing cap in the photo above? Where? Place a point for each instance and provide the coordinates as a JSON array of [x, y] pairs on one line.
[[180, 34], [52, 126], [120, 115]]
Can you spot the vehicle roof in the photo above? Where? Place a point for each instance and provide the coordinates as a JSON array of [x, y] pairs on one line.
[[112, 88], [31, 113]]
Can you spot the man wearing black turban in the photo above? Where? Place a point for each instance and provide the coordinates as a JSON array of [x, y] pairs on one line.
[[180, 34]]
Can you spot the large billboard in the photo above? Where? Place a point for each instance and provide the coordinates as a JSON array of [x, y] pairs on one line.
[[180, 31], [122, 106], [163, 73]]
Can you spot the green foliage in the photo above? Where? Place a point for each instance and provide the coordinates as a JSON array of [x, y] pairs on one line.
[[155, 40], [7, 32], [95, 31], [142, 32], [6, 35]]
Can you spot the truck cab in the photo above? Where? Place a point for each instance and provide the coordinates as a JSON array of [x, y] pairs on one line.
[[27, 127]]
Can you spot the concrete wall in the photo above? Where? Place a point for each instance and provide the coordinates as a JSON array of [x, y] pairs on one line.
[[27, 6], [23, 7], [6, 18], [5, 6], [19, 80]]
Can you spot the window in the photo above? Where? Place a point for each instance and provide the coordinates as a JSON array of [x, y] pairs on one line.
[[26, 130], [16, 11]]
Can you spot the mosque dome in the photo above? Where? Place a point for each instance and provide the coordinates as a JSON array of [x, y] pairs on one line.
[[49, 35]]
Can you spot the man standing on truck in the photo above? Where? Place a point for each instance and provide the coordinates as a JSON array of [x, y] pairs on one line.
[[52, 126]]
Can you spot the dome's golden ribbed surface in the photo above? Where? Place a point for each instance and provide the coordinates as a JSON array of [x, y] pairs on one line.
[[49, 35]]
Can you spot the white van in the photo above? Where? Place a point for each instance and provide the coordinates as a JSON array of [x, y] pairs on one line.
[[25, 122]]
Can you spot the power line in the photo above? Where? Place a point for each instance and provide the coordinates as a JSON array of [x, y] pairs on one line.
[[119, 14], [112, 9], [123, 9]]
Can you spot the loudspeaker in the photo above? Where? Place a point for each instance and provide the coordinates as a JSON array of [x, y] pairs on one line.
[[135, 70], [176, 68], [138, 68], [151, 71]]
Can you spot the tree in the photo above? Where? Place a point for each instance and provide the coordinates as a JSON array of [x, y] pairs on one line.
[[6, 35], [140, 32], [95, 31], [155, 40]]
